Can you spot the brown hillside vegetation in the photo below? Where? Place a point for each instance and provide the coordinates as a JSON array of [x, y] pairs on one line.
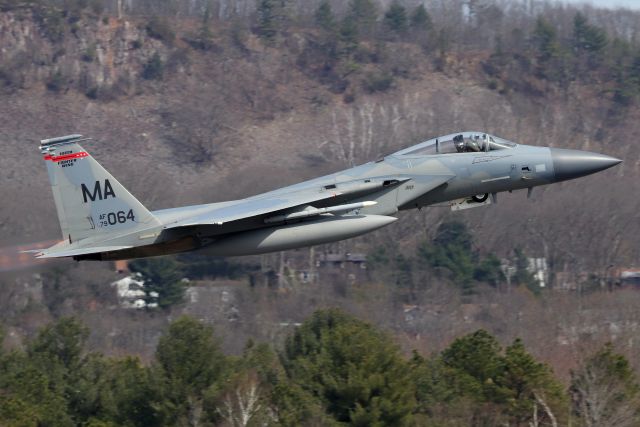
[[210, 100], [221, 121]]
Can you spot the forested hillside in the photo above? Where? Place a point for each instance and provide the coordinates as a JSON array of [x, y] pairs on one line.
[[209, 100], [333, 370]]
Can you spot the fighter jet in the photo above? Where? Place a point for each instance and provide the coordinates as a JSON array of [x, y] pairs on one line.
[[101, 220]]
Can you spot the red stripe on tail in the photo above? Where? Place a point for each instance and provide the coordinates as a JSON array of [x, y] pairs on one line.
[[71, 156]]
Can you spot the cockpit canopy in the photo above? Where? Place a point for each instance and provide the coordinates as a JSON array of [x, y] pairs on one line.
[[464, 142]]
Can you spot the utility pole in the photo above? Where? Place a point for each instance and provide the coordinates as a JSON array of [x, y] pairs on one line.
[[312, 261], [281, 271]]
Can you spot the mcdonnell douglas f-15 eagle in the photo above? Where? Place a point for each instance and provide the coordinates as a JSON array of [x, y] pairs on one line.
[[101, 220]]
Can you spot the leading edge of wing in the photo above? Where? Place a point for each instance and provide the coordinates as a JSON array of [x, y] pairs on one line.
[[252, 207]]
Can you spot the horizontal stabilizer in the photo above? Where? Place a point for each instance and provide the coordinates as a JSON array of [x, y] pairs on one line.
[[81, 251]]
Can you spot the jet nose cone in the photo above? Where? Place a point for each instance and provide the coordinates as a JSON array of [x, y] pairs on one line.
[[569, 164]]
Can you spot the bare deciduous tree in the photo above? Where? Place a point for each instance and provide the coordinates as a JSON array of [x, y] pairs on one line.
[[604, 391], [243, 404]]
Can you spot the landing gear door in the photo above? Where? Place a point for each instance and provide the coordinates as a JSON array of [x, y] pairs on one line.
[[470, 202]]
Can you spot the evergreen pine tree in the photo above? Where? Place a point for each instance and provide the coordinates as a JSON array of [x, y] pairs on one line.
[[396, 18], [586, 37], [162, 276], [363, 14], [420, 19], [190, 363], [349, 35], [545, 39], [530, 383], [324, 16], [355, 370], [267, 26], [477, 360]]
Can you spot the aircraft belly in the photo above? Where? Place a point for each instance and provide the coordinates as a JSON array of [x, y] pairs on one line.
[[324, 230]]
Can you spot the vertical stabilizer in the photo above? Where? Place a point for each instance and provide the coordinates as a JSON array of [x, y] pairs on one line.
[[89, 200]]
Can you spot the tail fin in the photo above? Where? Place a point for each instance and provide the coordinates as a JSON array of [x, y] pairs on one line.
[[89, 200]]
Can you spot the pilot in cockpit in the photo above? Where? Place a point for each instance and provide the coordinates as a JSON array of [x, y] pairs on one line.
[[465, 145], [472, 145]]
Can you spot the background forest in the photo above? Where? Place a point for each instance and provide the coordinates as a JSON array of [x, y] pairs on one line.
[[445, 324]]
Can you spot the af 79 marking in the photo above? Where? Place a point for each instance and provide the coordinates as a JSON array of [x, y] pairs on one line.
[[113, 218]]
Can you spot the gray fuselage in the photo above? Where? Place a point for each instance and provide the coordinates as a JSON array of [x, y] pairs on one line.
[[466, 166]]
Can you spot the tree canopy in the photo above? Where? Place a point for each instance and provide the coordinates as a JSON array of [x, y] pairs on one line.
[[356, 371], [332, 370]]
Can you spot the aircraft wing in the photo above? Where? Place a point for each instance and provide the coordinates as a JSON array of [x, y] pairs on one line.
[[278, 201], [251, 207]]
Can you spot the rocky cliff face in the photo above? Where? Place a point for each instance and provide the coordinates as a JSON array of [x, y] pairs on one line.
[[92, 53]]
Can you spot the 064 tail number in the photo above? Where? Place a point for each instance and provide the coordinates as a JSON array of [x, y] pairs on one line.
[[113, 218]]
